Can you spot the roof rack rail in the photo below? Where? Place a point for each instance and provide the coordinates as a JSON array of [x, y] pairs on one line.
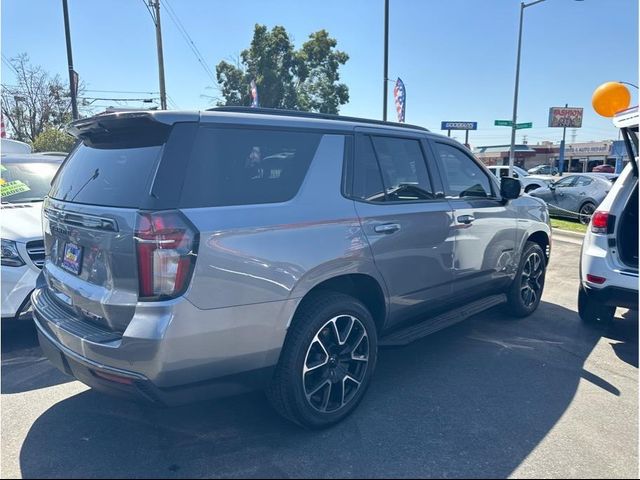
[[323, 116]]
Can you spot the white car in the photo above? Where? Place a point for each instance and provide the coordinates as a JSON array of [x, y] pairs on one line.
[[14, 146], [609, 264], [529, 182], [25, 180]]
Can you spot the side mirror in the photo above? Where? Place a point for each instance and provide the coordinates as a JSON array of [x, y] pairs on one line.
[[552, 186], [510, 188]]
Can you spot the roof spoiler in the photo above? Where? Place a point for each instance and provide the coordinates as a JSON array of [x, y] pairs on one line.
[[105, 122], [133, 129]]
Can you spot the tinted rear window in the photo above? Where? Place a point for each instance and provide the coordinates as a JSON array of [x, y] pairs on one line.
[[243, 166], [117, 177]]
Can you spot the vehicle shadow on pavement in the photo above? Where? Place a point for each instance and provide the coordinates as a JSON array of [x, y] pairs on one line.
[[624, 332], [471, 401], [24, 368]]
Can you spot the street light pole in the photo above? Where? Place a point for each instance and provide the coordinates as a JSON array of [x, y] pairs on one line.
[[514, 118]]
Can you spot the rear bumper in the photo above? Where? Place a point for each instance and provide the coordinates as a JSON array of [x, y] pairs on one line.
[[171, 352], [133, 386], [613, 296]]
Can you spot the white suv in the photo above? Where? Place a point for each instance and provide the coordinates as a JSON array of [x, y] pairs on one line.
[[529, 182], [25, 180], [609, 265]]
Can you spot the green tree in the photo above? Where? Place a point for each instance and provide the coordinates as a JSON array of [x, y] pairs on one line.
[[53, 140], [317, 66], [306, 79]]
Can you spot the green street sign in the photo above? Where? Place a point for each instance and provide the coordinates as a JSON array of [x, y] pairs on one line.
[[524, 125], [503, 123]]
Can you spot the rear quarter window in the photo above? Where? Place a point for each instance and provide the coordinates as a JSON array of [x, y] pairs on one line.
[[245, 166]]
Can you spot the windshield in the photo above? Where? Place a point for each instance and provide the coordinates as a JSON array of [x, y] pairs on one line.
[[26, 182]]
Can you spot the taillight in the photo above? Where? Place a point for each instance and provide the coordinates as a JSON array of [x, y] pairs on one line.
[[600, 222], [166, 244], [595, 279]]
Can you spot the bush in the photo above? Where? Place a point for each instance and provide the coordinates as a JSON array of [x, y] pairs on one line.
[[53, 140]]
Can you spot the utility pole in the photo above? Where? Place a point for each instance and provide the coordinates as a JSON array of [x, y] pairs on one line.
[[73, 80], [386, 59], [155, 4]]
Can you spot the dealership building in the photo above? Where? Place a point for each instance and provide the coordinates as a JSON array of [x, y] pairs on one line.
[[579, 157]]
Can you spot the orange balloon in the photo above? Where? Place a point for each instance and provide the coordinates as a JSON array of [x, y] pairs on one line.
[[610, 98]]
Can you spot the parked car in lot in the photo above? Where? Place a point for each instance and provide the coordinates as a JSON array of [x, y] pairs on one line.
[[609, 264], [25, 180], [191, 255], [577, 195], [543, 169], [603, 169], [529, 182], [14, 146]]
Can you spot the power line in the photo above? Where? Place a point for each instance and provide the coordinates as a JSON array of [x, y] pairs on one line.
[[149, 10], [119, 99], [121, 91], [187, 38], [174, 104]]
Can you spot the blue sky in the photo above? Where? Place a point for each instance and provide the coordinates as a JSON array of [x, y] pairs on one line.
[[456, 57]]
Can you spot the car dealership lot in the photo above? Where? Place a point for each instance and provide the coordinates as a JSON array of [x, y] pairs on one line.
[[493, 396]]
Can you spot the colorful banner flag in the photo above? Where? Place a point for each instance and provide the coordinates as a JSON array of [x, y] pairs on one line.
[[254, 95], [400, 94]]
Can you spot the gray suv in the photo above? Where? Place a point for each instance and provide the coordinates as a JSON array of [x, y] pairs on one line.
[[193, 255]]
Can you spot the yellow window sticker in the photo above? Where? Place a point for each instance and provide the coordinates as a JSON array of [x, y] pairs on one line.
[[13, 188]]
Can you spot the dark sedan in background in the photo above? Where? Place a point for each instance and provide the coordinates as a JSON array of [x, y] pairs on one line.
[[576, 196]]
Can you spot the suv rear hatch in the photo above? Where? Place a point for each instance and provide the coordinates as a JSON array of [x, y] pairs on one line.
[[627, 230], [93, 211]]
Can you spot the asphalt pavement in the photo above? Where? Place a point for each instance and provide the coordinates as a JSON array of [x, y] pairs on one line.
[[491, 397]]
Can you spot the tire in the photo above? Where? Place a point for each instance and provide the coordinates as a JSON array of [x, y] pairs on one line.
[[526, 290], [333, 337], [593, 313], [531, 188], [585, 212]]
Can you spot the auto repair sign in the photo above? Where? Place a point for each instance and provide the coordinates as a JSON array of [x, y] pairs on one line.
[[567, 117]]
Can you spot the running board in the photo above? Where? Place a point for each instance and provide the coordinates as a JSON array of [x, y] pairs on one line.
[[431, 325]]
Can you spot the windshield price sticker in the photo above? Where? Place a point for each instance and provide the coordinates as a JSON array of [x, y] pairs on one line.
[[13, 188]]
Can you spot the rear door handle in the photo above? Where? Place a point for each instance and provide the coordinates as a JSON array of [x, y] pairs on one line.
[[466, 219], [387, 228]]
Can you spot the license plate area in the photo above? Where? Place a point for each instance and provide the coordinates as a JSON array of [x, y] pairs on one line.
[[72, 258]]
